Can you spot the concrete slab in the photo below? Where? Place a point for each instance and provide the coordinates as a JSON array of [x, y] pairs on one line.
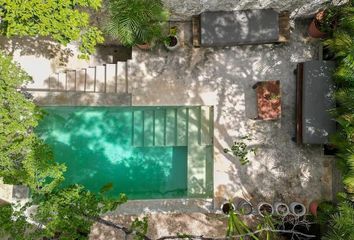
[[223, 77]]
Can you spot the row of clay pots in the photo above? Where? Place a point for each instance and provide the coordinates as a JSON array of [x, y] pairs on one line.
[[263, 208]]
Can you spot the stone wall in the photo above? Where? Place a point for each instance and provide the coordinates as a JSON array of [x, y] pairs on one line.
[[184, 9]]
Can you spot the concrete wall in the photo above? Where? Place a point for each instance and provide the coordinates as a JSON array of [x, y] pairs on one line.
[[184, 9]]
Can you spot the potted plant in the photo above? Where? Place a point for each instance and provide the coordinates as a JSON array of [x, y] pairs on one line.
[[240, 150], [171, 42], [265, 209], [326, 21], [315, 27], [281, 209], [297, 209], [243, 206], [136, 22], [227, 207], [268, 100]]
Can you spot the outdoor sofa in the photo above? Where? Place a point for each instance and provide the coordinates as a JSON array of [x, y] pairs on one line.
[[230, 28], [314, 100]]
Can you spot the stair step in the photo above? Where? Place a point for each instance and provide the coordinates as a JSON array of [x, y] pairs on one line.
[[111, 74], [159, 129], [148, 128], [121, 77], [206, 125], [197, 170], [90, 79], [100, 79], [138, 128], [80, 80], [194, 124], [182, 125], [53, 81], [171, 123], [209, 165], [62, 81], [71, 80]]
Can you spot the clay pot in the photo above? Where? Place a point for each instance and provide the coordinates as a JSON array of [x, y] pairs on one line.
[[226, 207], [265, 208], [313, 208], [314, 30]]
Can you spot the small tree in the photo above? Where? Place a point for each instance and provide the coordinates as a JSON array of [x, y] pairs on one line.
[[62, 20], [24, 159], [66, 213], [136, 21]]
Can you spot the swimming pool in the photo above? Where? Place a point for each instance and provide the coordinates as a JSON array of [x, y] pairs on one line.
[[145, 152]]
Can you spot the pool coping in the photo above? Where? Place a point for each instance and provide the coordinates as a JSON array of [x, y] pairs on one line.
[[183, 205]]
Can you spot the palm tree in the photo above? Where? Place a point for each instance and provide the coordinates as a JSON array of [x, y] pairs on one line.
[[135, 22]]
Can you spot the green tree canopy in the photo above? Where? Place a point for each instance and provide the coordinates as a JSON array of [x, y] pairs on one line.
[[66, 213], [24, 158], [136, 21], [62, 20]]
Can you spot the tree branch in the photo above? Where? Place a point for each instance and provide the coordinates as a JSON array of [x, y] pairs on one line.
[[128, 231], [201, 237]]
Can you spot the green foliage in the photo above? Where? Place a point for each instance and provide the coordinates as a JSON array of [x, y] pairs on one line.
[[235, 226], [324, 211], [341, 223], [136, 21], [342, 44], [62, 20], [24, 158], [140, 227], [240, 150], [267, 224], [71, 211], [13, 224], [66, 213]]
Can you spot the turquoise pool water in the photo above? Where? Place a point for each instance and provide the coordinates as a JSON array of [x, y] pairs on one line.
[[97, 145]]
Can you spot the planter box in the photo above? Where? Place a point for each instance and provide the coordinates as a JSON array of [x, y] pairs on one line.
[[268, 100]]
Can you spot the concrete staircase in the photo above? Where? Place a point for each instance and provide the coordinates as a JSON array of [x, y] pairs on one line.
[[107, 78], [191, 127]]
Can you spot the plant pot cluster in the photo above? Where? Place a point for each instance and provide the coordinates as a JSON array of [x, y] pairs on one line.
[[240, 206], [244, 207]]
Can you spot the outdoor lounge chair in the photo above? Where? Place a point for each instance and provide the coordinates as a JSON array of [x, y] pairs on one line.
[[314, 88], [229, 28]]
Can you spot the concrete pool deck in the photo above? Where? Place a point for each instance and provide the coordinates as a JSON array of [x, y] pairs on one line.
[[223, 77]]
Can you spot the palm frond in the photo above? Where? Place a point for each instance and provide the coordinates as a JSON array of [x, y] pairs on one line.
[[136, 21]]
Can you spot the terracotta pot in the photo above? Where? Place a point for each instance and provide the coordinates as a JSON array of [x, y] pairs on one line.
[[313, 29], [313, 208]]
